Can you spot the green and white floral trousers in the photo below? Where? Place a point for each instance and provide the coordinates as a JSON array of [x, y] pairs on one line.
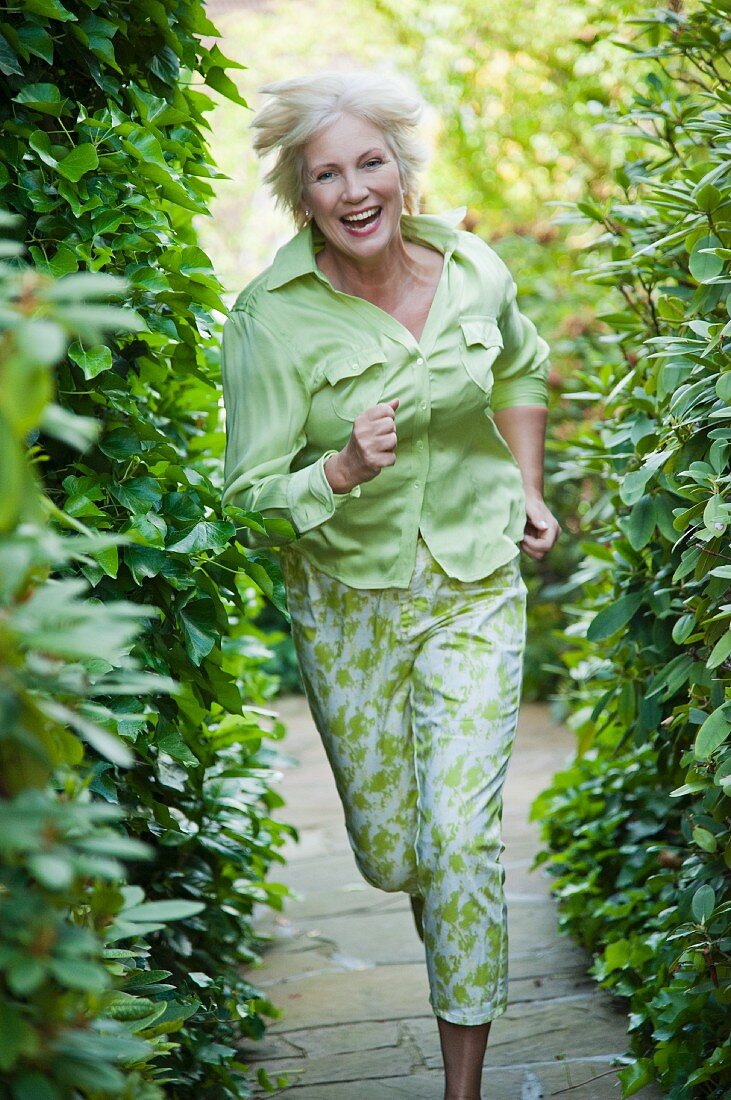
[[415, 693]]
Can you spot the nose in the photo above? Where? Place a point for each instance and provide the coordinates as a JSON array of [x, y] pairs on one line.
[[354, 188]]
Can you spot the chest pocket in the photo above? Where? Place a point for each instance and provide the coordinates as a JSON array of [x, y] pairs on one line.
[[482, 342], [356, 381]]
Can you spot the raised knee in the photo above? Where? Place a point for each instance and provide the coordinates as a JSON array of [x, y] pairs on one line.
[[390, 875]]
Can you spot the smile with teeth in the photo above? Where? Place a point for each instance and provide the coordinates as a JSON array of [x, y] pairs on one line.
[[364, 217]]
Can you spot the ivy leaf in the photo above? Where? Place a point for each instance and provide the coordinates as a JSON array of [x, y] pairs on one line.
[[144, 146], [138, 495], [174, 745], [636, 1075], [44, 98], [200, 630], [217, 79], [207, 535], [143, 562], [52, 9], [8, 59], [92, 360], [78, 162]]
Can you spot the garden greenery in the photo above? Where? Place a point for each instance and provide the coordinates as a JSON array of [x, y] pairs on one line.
[[133, 696], [637, 825]]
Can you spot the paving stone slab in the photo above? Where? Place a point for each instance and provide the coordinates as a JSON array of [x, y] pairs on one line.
[[377, 937], [361, 1065], [268, 1049], [353, 996], [289, 966], [413, 1087], [552, 987], [344, 1038], [309, 873], [579, 1080], [554, 959], [347, 896]]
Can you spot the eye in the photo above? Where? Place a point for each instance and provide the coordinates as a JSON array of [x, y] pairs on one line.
[[324, 177], [374, 161]]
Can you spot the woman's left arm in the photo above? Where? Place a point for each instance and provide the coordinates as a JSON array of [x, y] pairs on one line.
[[523, 427], [519, 402]]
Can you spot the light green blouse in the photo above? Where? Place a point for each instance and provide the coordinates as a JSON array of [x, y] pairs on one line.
[[301, 360]]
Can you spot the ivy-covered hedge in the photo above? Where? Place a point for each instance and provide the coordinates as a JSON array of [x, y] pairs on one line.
[[637, 825], [76, 1017], [102, 153]]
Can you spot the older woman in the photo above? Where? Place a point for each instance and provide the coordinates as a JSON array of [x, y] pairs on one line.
[[386, 396]]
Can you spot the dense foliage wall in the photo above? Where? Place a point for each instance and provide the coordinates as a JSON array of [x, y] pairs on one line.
[[103, 156], [638, 825]]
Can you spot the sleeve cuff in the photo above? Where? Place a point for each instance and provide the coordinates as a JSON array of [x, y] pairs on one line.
[[310, 497], [519, 391]]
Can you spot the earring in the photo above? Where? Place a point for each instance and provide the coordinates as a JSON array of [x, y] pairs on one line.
[[307, 213]]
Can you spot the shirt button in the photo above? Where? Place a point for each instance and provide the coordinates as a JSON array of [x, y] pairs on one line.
[[419, 444], [420, 362], [422, 405], [416, 484]]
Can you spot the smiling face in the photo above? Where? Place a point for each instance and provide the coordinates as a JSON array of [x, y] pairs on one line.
[[353, 188]]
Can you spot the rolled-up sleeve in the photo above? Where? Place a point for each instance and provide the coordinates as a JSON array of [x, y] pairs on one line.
[[521, 370], [267, 405]]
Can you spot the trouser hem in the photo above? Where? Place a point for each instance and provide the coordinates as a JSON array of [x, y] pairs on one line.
[[472, 1019]]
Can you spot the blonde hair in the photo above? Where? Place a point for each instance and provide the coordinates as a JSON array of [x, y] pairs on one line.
[[306, 105]]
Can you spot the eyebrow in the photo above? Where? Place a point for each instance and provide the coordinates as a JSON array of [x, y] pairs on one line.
[[334, 164]]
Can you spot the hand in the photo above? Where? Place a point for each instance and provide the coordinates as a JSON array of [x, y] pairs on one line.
[[541, 528], [372, 445]]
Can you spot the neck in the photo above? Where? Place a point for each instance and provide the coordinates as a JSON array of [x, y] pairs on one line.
[[380, 279]]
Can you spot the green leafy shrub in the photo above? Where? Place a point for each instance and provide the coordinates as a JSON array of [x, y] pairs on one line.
[[75, 1013], [638, 824], [103, 154]]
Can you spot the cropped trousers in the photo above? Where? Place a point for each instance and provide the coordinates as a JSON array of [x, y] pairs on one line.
[[415, 693]]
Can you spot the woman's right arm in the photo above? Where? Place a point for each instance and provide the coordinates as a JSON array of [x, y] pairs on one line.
[[267, 404]]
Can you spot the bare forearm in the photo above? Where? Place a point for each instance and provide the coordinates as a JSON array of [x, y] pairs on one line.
[[523, 428]]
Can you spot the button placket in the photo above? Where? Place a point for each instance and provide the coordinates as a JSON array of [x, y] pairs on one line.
[[421, 425]]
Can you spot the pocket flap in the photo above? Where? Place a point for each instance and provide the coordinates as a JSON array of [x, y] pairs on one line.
[[481, 330], [351, 364]]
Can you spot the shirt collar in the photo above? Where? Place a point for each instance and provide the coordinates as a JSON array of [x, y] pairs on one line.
[[297, 256]]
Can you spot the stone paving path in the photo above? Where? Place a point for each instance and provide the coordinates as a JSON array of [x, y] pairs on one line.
[[346, 968]]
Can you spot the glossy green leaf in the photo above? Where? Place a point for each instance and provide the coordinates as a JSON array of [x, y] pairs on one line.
[[642, 520], [612, 618], [703, 903], [712, 733], [91, 360], [45, 98], [163, 910], [721, 651], [78, 162], [704, 265]]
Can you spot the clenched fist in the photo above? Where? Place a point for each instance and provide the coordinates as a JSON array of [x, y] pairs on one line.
[[372, 445]]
